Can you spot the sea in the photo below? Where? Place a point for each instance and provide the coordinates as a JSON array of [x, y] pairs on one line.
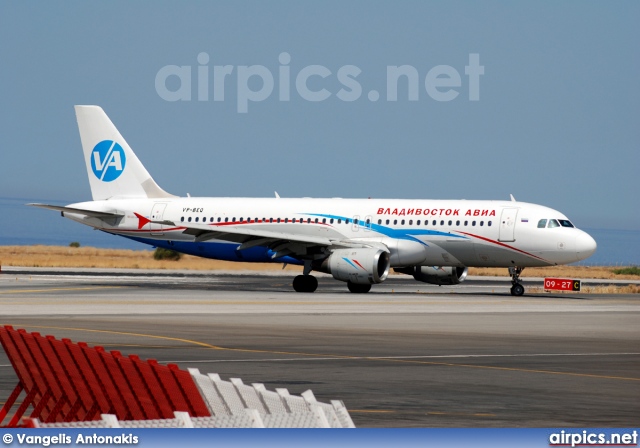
[[21, 225]]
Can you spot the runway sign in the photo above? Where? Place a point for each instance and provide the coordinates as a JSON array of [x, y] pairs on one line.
[[561, 284]]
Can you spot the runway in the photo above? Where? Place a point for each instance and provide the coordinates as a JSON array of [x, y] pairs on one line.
[[406, 354]]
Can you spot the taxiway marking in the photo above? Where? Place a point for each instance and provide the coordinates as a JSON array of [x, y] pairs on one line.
[[366, 358]]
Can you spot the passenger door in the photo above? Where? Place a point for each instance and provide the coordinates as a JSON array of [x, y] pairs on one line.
[[508, 224]]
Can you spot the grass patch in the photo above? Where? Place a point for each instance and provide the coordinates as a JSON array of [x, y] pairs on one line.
[[91, 257], [631, 270]]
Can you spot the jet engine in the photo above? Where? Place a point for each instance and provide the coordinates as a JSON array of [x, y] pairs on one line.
[[362, 266], [436, 275]]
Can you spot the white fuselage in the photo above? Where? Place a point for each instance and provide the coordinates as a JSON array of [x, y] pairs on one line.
[[416, 232]]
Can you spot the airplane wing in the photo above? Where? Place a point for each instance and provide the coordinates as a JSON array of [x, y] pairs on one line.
[[282, 243], [79, 211]]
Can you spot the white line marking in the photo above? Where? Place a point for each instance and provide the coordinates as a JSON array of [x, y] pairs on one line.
[[346, 357]]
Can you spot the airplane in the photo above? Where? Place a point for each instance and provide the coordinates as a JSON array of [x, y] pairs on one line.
[[357, 241]]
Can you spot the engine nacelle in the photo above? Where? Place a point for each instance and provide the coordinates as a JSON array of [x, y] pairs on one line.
[[436, 275], [362, 266]]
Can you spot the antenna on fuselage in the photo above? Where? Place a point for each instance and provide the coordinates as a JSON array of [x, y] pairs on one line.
[[512, 198], [277, 195]]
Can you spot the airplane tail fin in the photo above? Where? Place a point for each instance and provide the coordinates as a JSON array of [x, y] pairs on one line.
[[114, 170]]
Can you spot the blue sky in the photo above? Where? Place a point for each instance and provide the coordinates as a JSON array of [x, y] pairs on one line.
[[556, 123]]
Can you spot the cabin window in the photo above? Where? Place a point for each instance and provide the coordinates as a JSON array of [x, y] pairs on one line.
[[434, 222], [339, 221], [189, 219], [182, 219], [489, 224], [442, 222], [355, 221], [481, 223], [278, 220], [331, 221], [379, 221], [418, 222], [395, 221], [286, 220], [387, 221], [473, 223], [450, 222], [197, 219], [324, 220], [457, 223], [402, 222]]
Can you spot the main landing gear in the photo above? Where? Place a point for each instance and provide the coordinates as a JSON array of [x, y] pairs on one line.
[[358, 288], [308, 283], [305, 283], [517, 289]]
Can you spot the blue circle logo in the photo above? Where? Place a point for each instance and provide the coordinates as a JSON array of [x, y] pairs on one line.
[[108, 160]]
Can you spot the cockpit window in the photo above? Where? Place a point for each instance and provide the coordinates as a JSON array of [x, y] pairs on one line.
[[553, 223], [565, 223], [542, 224]]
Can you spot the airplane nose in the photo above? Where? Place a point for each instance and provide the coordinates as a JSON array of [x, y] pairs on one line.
[[585, 246]]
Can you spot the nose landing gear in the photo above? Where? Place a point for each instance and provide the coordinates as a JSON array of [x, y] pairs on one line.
[[516, 289]]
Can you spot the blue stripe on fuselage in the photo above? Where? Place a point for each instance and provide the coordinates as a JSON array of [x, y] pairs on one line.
[[401, 234]]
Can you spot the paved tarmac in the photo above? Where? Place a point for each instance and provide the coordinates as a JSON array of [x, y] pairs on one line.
[[406, 354]]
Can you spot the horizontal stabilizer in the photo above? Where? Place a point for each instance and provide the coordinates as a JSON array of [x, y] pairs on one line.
[[80, 211]]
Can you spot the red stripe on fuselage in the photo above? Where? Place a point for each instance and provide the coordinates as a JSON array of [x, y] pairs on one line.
[[505, 245]]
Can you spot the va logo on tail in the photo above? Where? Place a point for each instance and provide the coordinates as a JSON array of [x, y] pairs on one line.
[[108, 160]]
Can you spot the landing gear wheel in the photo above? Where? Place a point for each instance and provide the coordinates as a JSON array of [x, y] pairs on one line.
[[305, 283], [357, 288], [517, 289]]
